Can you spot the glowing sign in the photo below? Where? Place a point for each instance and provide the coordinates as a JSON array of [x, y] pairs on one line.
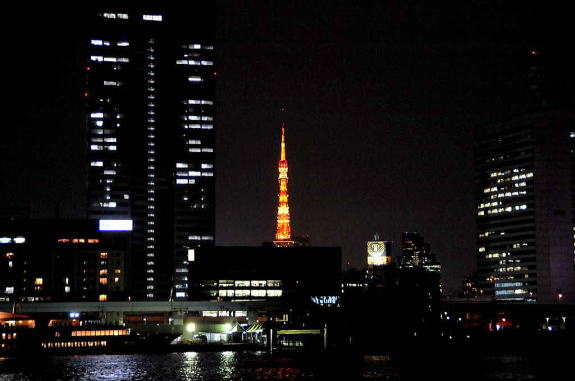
[[116, 225], [377, 253], [325, 300]]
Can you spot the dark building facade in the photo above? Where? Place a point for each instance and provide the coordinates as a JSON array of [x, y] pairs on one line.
[[525, 188], [416, 253], [149, 116], [62, 260], [266, 273], [524, 207]]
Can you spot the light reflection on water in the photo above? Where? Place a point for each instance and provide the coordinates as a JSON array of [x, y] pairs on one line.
[[195, 366], [189, 366]]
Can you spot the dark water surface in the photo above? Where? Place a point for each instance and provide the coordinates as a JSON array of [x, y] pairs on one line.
[[261, 366]]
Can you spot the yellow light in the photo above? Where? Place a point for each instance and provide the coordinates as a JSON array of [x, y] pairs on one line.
[[190, 327]]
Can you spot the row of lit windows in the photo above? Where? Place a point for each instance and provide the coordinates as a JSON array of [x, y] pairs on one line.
[[508, 194], [497, 255], [510, 292], [109, 59], [9, 336], [5, 240], [198, 126], [199, 102], [103, 332], [224, 313], [98, 147], [78, 240], [107, 43], [198, 46], [194, 174], [194, 63], [508, 284], [75, 344], [201, 238], [507, 172], [253, 293], [248, 283], [508, 209], [196, 150], [101, 140], [197, 117], [122, 16], [509, 269], [495, 189]]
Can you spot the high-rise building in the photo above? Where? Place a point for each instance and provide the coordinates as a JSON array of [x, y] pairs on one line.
[[525, 193], [149, 115], [416, 253], [524, 201]]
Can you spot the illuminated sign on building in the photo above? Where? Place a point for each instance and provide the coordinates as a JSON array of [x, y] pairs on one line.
[[325, 300], [116, 225], [377, 254]]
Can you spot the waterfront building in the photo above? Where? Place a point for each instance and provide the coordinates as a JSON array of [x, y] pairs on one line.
[[267, 273], [149, 117], [61, 260]]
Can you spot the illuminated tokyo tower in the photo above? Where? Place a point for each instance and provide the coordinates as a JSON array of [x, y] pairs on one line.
[[283, 230]]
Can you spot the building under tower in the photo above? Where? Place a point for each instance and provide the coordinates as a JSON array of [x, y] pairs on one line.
[[149, 115]]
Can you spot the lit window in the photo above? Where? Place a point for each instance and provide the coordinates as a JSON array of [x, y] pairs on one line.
[[103, 298], [39, 281], [152, 17], [195, 78]]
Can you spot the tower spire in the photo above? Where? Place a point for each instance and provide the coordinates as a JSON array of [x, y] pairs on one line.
[[283, 229]]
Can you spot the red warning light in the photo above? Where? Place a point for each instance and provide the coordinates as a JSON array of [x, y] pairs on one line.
[[534, 52], [215, 73], [88, 68], [86, 94]]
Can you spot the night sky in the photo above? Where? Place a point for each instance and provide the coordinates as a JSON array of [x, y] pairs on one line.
[[382, 99]]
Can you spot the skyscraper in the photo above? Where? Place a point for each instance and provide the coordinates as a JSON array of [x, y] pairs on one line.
[[283, 229], [150, 127], [524, 193], [416, 253], [524, 208]]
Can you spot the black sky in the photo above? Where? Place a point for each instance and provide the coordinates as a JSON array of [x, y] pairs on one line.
[[382, 98]]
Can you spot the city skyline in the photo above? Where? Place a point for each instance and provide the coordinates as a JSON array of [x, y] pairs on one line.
[[381, 111]]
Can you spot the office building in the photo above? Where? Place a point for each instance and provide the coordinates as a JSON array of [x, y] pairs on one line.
[[62, 260], [524, 206], [524, 188], [295, 274], [149, 116], [416, 253]]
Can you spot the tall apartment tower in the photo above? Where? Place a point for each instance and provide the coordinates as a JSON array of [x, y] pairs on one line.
[[149, 115], [525, 194]]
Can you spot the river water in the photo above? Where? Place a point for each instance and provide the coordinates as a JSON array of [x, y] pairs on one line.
[[262, 366]]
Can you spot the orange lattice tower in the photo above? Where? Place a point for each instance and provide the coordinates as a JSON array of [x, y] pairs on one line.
[[283, 230]]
